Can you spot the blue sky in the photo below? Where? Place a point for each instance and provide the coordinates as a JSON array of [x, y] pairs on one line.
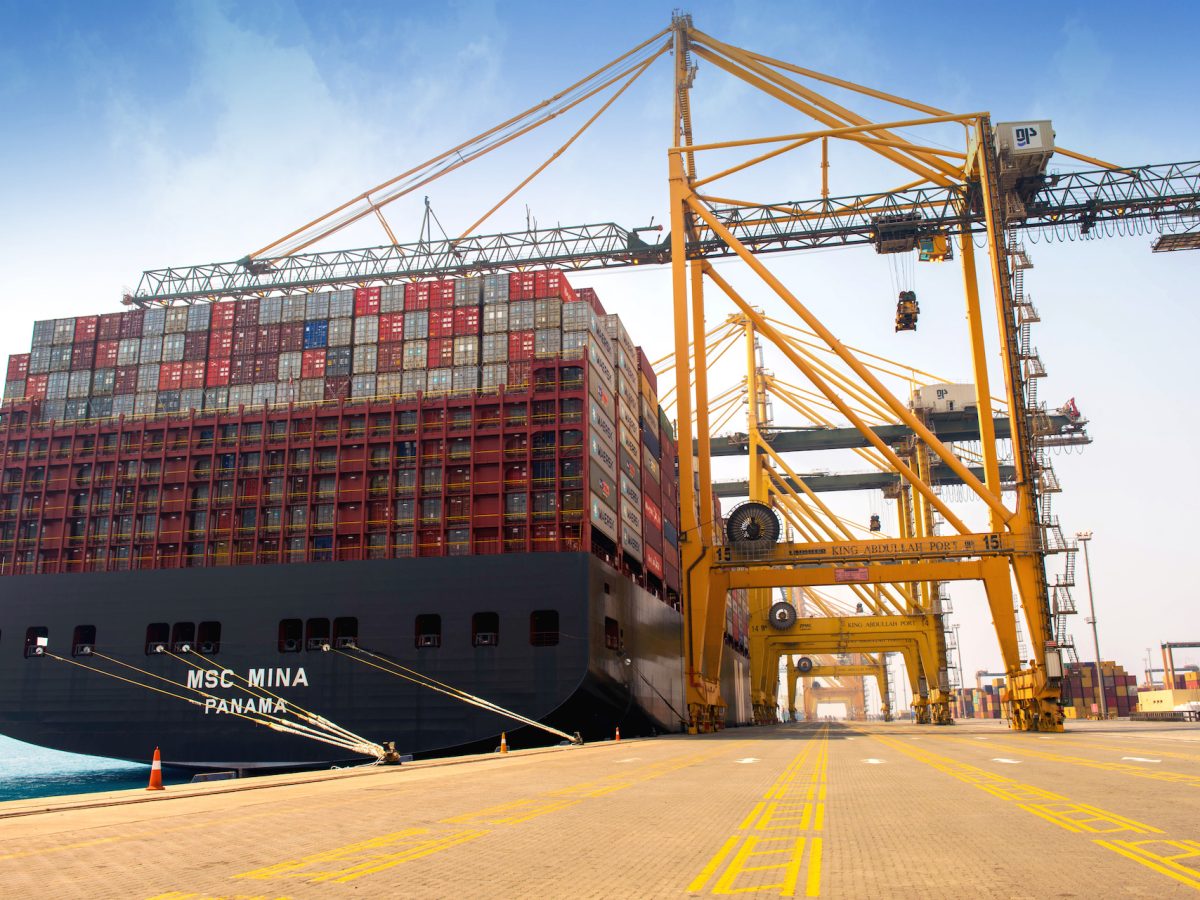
[[139, 135]]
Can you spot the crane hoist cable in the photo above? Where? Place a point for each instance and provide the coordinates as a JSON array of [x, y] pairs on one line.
[[360, 746], [400, 671]]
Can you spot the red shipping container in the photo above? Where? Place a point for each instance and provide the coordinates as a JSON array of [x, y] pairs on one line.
[[366, 301], [245, 341], [654, 560], [106, 354], [193, 374], [588, 296], [391, 327], [416, 296], [82, 356], [222, 316], [18, 366], [86, 328], [391, 357], [521, 286], [195, 346], [268, 339], [520, 374], [110, 327], [35, 386], [245, 314], [337, 387], [169, 376], [312, 364], [242, 370], [441, 323], [441, 295], [131, 323], [440, 353], [291, 337], [466, 320], [553, 283], [216, 373], [125, 380], [220, 343], [266, 367], [520, 345]]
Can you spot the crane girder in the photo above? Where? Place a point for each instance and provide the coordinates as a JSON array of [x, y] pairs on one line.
[[1164, 194]]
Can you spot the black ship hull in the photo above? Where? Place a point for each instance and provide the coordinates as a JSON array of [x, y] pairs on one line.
[[614, 659]]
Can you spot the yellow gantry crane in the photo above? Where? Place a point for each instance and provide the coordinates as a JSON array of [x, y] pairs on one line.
[[992, 186]]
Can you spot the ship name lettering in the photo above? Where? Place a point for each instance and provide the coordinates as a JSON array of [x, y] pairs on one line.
[[240, 706], [278, 678], [209, 678]]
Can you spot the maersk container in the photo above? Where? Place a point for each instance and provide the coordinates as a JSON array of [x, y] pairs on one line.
[[316, 334], [631, 541], [154, 322], [316, 308], [366, 329], [603, 517]]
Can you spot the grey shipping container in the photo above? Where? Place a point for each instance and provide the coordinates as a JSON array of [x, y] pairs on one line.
[[151, 350], [415, 381], [547, 313], [103, 382], [366, 358], [43, 333], [495, 288], [366, 330], [191, 398], [466, 378], [317, 306], [60, 359], [216, 398], [154, 322], [389, 384], [341, 332], [293, 308], [416, 324], [168, 401], [493, 375], [145, 403], [362, 386], [39, 360], [468, 291], [128, 350], [495, 319], [415, 354], [199, 316], [263, 392], [547, 343], [270, 311], [122, 405], [64, 331], [172, 348], [576, 316], [241, 395], [391, 298], [441, 381], [53, 409], [520, 315], [56, 386], [75, 409], [337, 361], [100, 407], [80, 384], [147, 379], [341, 304], [14, 390], [495, 348], [289, 364], [312, 389], [176, 320]]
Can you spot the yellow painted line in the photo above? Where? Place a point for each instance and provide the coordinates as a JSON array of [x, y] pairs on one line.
[[1161, 864], [713, 864], [812, 885]]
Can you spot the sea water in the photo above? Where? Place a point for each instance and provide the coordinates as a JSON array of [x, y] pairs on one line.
[[30, 771]]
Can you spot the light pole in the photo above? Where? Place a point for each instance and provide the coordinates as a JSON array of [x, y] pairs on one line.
[[1084, 538], [958, 646]]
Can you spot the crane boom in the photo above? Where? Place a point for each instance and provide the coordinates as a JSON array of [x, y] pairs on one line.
[[1151, 197]]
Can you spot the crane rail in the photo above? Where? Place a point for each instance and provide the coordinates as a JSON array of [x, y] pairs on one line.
[[1157, 196]]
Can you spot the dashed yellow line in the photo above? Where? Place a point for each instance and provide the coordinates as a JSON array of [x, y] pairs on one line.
[[1078, 818], [777, 836]]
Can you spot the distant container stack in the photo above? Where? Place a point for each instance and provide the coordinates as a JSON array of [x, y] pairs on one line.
[[979, 703], [1081, 690], [492, 414]]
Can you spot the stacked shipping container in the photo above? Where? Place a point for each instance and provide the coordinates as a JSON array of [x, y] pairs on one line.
[[1081, 690], [475, 415]]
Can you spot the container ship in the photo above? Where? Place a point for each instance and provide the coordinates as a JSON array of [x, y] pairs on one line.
[[399, 509]]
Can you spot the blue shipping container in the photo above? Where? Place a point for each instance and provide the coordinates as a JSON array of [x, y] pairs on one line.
[[316, 334]]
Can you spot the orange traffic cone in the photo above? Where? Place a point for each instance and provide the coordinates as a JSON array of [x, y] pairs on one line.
[[618, 737], [156, 773], [503, 743]]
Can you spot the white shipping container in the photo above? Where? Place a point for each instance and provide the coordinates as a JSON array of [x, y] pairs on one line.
[[366, 330], [495, 319], [270, 311], [176, 320], [292, 309], [466, 379], [492, 375], [289, 364], [547, 313], [366, 357], [390, 384], [414, 382], [147, 379], [154, 322], [151, 350], [547, 343], [520, 315], [468, 291], [466, 350], [362, 386], [172, 347], [128, 350], [391, 298], [341, 304], [341, 332], [79, 384], [441, 381], [415, 354]]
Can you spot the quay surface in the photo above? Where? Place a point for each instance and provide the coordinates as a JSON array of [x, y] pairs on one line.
[[822, 809]]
